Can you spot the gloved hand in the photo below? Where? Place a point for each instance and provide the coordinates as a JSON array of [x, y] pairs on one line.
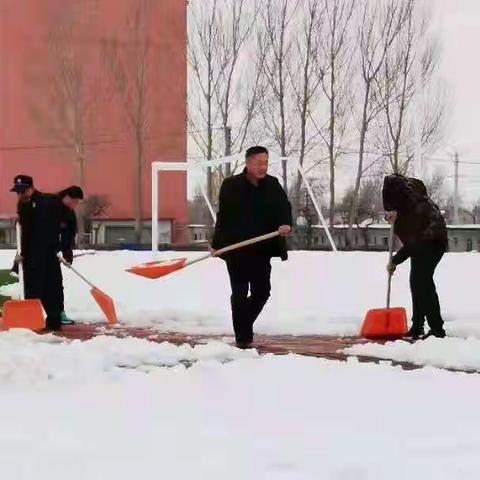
[[68, 257], [14, 268]]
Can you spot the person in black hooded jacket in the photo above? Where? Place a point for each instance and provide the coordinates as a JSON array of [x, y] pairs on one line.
[[421, 228]]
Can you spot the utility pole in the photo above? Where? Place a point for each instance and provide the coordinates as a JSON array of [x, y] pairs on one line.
[[455, 192]]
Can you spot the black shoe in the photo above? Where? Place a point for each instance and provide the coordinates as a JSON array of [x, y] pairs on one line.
[[244, 344], [435, 333], [415, 333]]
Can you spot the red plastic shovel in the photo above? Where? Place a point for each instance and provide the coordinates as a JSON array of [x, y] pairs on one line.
[[386, 323], [22, 313], [103, 300], [161, 268]]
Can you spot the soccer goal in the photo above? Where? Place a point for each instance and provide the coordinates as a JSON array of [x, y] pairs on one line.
[[281, 167]]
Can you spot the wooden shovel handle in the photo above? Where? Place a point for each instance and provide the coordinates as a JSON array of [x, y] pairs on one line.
[[246, 243], [235, 246], [390, 256]]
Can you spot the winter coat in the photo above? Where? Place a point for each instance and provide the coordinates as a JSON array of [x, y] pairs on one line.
[[46, 228], [419, 224], [247, 211], [68, 231]]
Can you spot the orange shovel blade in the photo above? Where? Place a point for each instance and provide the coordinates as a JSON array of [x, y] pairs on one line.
[[385, 323], [23, 314], [106, 304], [159, 269]]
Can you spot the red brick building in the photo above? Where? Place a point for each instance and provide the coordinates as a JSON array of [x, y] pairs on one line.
[[87, 87]]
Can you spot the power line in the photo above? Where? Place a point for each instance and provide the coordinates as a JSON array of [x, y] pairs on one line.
[[53, 146]]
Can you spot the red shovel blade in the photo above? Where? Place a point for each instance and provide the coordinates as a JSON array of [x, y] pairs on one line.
[[106, 304], [23, 314], [158, 269], [385, 324]]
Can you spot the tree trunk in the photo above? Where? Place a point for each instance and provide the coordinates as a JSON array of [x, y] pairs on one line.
[[228, 149], [138, 188], [361, 151], [331, 147]]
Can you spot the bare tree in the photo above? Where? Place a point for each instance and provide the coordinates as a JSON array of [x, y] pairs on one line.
[[409, 66], [63, 101], [129, 63], [203, 43], [336, 76], [237, 95], [94, 206], [306, 79], [275, 42], [435, 185], [380, 23], [223, 94]]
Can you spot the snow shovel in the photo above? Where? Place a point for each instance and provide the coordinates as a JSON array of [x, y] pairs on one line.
[[386, 323], [161, 268], [104, 301], [22, 313]]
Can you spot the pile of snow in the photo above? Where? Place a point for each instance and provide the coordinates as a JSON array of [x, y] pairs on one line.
[[312, 293], [457, 353], [27, 358], [269, 418]]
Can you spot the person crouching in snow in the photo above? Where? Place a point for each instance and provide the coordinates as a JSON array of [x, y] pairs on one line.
[[251, 204], [421, 228]]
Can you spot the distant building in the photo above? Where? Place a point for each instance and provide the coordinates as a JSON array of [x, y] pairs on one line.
[[461, 238], [34, 34]]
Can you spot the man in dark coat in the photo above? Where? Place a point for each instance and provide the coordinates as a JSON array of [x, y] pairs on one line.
[[69, 199], [251, 204], [421, 228], [41, 216]]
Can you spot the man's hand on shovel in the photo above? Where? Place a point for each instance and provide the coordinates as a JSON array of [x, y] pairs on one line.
[[284, 230], [391, 267]]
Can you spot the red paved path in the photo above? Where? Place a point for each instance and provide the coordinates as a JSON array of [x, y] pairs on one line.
[[318, 346]]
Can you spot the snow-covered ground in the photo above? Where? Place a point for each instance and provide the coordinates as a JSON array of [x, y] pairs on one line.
[[457, 353], [72, 410], [312, 293], [111, 408]]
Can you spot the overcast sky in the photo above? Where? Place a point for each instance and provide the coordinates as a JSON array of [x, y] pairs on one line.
[[458, 25]]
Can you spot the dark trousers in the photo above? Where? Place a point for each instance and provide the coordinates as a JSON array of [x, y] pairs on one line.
[[248, 274], [424, 294], [43, 280]]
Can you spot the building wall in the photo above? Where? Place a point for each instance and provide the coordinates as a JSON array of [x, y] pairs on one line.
[[35, 139], [460, 239]]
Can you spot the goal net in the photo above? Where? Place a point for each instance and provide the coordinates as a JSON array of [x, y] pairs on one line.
[[204, 179]]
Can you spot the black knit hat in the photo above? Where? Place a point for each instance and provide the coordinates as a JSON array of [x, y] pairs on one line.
[[73, 192]]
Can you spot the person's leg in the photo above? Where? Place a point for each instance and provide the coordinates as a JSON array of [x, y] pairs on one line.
[[259, 276], [53, 294], [431, 301], [418, 316], [426, 293], [238, 273]]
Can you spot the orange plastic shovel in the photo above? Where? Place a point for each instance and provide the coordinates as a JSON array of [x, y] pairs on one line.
[[104, 301], [22, 313], [161, 268], [386, 323]]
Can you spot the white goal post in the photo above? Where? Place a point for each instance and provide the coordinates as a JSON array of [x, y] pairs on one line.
[[158, 167]]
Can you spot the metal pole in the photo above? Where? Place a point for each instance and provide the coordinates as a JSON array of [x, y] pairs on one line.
[[155, 173], [455, 193], [317, 207]]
